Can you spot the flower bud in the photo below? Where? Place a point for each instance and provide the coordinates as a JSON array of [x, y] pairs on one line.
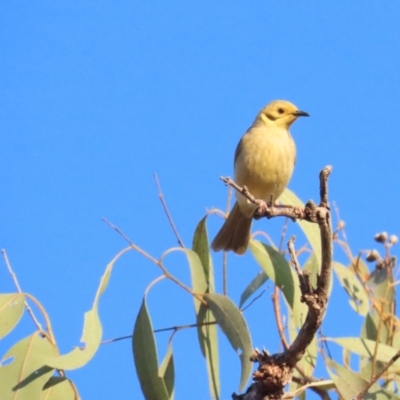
[[381, 237], [393, 239], [373, 255]]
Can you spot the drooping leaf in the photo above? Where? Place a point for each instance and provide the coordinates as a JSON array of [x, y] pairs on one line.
[[92, 329], [167, 371], [208, 340], [234, 326], [279, 271], [11, 310], [369, 329], [59, 388], [310, 230], [252, 287], [353, 287], [381, 283], [207, 334], [369, 349], [146, 360], [350, 384], [201, 247], [25, 376]]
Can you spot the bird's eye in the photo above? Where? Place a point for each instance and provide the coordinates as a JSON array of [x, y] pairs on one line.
[[281, 110]]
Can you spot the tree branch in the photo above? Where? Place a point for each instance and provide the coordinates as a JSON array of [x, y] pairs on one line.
[[275, 371]]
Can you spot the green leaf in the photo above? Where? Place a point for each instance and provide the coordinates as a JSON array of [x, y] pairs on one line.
[[234, 326], [298, 390], [381, 283], [59, 388], [368, 348], [167, 371], [201, 247], [208, 340], [25, 376], [145, 357], [370, 331], [360, 268], [353, 287], [92, 330], [253, 286], [11, 310], [349, 384], [279, 271], [207, 334], [375, 328], [310, 230]]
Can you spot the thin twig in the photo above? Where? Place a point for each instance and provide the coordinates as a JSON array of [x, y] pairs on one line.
[[151, 284], [216, 211], [225, 255], [342, 230], [269, 210], [362, 394], [116, 339], [378, 332], [277, 312], [164, 204], [172, 328], [284, 230], [293, 257], [255, 299], [307, 384], [180, 327], [264, 234], [155, 261]]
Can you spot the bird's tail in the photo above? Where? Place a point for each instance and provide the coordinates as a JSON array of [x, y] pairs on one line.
[[234, 234]]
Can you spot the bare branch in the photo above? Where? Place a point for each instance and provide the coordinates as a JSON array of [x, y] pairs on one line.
[[275, 371], [167, 213], [252, 301], [278, 319]]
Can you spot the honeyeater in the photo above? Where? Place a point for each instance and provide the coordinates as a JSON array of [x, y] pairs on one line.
[[264, 162]]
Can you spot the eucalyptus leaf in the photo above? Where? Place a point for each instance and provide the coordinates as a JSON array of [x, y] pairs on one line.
[[234, 326]]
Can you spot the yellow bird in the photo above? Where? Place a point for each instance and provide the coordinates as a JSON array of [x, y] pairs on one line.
[[264, 162]]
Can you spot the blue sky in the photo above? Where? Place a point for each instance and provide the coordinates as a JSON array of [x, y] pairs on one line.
[[97, 96]]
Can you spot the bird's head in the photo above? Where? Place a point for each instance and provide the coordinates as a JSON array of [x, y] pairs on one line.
[[280, 113]]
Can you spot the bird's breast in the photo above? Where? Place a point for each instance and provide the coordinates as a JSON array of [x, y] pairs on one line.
[[265, 162]]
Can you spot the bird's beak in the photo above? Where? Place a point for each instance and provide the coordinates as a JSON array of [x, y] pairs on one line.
[[299, 113]]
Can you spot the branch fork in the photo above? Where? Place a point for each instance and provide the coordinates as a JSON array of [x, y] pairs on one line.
[[275, 371]]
